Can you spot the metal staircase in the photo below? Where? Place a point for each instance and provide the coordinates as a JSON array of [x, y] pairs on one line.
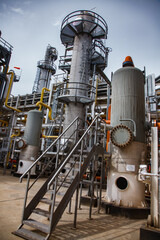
[[57, 191]]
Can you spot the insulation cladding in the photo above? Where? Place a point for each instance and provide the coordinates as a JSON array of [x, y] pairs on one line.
[[123, 187], [30, 143]]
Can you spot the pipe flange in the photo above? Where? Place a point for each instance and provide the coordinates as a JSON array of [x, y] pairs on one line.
[[121, 136], [21, 143]]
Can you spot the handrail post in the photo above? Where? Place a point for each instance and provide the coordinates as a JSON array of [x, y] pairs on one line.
[[26, 195]]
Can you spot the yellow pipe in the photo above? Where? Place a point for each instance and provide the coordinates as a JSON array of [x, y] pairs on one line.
[[9, 88], [46, 106], [44, 136], [16, 135], [42, 94], [4, 122]]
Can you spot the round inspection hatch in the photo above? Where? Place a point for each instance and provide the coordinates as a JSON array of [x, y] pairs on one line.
[[121, 136], [121, 183]]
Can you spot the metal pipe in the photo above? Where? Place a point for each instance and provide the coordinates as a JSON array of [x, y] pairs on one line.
[[4, 122], [154, 183], [46, 106], [16, 135], [9, 88], [45, 136], [42, 94]]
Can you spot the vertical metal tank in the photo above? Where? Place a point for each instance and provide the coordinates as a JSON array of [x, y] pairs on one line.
[[128, 138], [78, 30], [29, 145]]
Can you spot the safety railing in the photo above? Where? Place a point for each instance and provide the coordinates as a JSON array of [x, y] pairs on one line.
[[88, 139], [5, 44], [54, 142], [65, 62], [84, 146], [78, 16], [76, 91], [48, 65]]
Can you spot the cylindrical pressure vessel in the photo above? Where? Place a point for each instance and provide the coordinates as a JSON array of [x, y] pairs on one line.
[[30, 143], [128, 100], [127, 108]]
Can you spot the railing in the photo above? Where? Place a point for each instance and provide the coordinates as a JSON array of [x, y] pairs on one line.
[[91, 142], [73, 17], [48, 65], [77, 91], [5, 44], [39, 158], [89, 139], [65, 62]]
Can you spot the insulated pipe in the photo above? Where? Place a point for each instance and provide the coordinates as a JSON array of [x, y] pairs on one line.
[[46, 106], [42, 94]]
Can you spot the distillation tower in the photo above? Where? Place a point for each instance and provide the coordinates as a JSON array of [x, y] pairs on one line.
[[45, 69], [82, 30]]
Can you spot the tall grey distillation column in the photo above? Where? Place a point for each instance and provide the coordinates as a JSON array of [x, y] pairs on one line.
[[79, 29], [45, 69]]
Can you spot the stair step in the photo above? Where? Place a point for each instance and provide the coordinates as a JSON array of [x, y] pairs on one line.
[[27, 234], [37, 225], [64, 184], [41, 212], [47, 201], [61, 193]]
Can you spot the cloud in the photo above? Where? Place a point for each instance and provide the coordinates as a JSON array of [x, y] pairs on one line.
[[18, 10]]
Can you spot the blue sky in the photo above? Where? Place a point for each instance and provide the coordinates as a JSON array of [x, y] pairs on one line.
[[30, 25]]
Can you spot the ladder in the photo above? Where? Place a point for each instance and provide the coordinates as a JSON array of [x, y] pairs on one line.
[[57, 191]]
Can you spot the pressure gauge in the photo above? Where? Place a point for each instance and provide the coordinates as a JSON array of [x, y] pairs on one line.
[[121, 136]]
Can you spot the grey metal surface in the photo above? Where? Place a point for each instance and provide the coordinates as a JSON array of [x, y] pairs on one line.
[[37, 225], [154, 182], [32, 139], [127, 108], [128, 99], [33, 127], [80, 72]]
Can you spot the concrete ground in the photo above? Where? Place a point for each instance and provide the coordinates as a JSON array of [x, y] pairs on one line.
[[102, 226]]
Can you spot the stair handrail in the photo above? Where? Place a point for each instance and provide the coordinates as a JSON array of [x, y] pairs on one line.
[[72, 151], [37, 160]]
